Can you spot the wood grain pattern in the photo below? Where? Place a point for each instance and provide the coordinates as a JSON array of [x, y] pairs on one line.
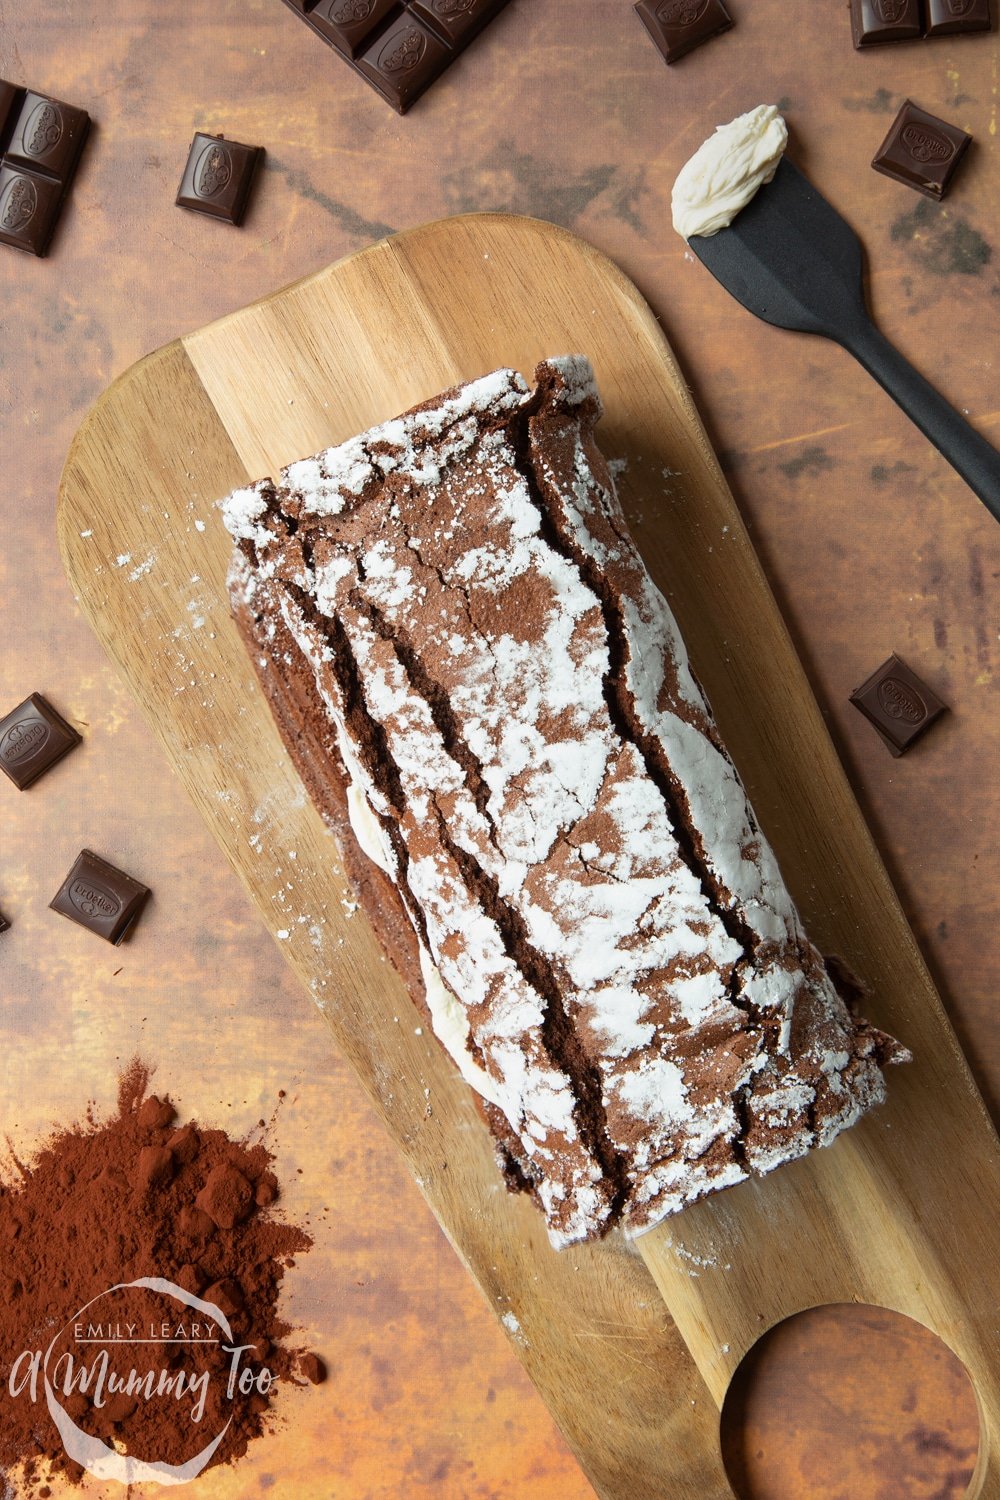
[[874, 1218]]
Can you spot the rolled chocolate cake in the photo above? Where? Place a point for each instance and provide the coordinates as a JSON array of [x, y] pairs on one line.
[[490, 701]]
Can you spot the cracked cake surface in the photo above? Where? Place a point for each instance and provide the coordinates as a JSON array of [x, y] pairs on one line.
[[490, 700]]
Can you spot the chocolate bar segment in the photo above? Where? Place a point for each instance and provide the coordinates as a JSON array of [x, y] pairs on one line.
[[399, 48], [32, 738], [100, 897], [29, 209], [945, 17], [404, 61], [10, 103], [349, 24], [678, 26], [218, 177], [40, 140], [898, 703], [922, 151], [877, 21], [47, 136], [456, 21]]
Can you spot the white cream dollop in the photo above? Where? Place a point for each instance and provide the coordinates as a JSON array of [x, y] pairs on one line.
[[451, 1027], [727, 171]]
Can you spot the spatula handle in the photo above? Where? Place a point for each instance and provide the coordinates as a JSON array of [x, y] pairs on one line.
[[971, 455]]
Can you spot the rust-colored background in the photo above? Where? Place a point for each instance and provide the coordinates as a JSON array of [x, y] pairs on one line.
[[562, 109]]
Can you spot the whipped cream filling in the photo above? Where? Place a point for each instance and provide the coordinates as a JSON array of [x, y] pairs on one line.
[[727, 171], [450, 1023]]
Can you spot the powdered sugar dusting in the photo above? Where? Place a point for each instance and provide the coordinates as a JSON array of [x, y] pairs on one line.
[[447, 582]]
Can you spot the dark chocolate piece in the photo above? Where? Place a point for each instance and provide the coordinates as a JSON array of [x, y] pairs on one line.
[[922, 151], [4, 924], [877, 21], [400, 46], [899, 705], [40, 141], [218, 177], [455, 21], [947, 16], [404, 61], [32, 738], [348, 24], [29, 209], [678, 26], [47, 136], [11, 96], [100, 897]]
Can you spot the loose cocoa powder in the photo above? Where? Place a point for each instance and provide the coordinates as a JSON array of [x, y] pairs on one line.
[[104, 1203]]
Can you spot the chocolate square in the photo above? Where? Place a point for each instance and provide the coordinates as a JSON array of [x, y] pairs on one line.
[[29, 209], [100, 897], [456, 21], [218, 177], [900, 706], [32, 738], [48, 136], [10, 106], [404, 61], [922, 151], [399, 47], [945, 17], [349, 24], [678, 26], [876, 21]]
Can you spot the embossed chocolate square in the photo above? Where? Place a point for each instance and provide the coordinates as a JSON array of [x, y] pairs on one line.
[[456, 21], [47, 136], [100, 897], [898, 703], [218, 177], [678, 26], [11, 95], [41, 140], [945, 17], [32, 738], [877, 21], [348, 24], [404, 61], [922, 151], [29, 209]]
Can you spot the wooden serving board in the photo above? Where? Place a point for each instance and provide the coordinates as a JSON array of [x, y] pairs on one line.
[[901, 1210]]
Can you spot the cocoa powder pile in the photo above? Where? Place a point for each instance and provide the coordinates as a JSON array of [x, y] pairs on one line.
[[105, 1203]]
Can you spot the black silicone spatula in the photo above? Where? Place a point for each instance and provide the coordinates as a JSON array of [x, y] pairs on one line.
[[790, 258]]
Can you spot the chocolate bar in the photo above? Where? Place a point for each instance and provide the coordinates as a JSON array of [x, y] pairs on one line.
[[877, 21], [678, 26], [399, 49], [100, 897], [900, 706], [922, 151], [218, 177], [32, 738], [945, 17], [40, 144]]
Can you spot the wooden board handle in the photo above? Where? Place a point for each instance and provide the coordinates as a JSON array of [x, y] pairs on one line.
[[852, 1231]]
